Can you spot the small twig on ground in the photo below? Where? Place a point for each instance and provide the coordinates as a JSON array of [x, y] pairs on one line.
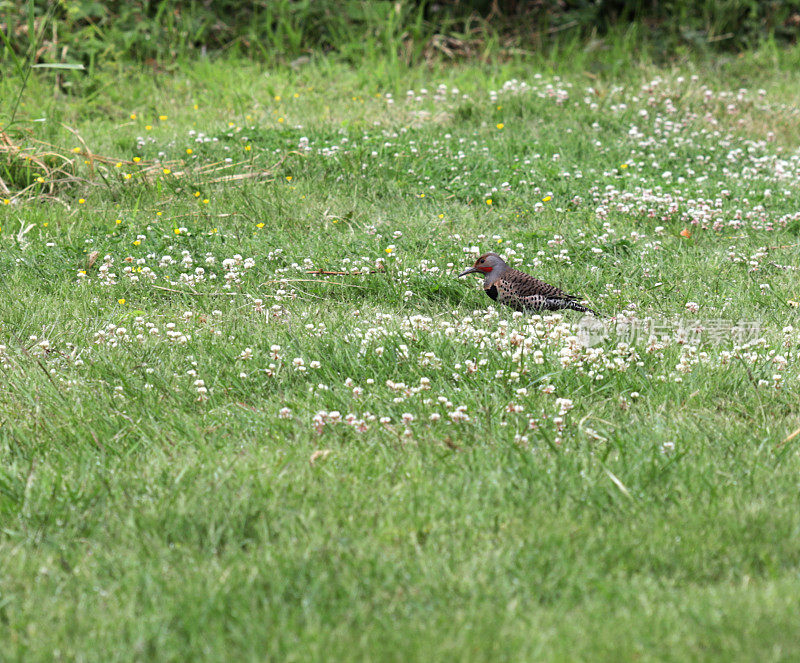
[[322, 271], [788, 438]]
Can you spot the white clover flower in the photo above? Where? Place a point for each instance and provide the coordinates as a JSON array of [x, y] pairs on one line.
[[564, 405]]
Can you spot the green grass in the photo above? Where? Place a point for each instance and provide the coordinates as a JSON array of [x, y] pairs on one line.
[[142, 518]]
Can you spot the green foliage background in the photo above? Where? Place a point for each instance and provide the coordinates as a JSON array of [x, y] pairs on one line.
[[89, 31]]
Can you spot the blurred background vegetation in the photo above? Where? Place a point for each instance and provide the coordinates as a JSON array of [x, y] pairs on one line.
[[93, 32]]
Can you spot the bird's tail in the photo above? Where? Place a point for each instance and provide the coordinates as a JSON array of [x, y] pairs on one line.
[[575, 306]]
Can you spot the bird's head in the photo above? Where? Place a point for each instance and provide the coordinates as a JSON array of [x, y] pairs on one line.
[[488, 263]]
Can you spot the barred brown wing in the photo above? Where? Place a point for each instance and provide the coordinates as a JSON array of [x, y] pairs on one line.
[[524, 285]]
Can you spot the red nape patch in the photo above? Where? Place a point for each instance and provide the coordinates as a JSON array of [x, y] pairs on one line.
[[486, 269]]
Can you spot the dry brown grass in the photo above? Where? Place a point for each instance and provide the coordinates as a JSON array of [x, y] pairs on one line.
[[31, 168]]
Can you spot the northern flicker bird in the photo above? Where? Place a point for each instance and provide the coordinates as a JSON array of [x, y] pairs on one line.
[[519, 290]]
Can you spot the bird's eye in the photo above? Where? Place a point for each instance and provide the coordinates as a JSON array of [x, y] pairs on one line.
[[482, 261]]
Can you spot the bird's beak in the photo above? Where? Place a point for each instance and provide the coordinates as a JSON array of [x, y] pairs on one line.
[[469, 270]]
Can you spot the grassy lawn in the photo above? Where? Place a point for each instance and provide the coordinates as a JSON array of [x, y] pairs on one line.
[[210, 449]]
